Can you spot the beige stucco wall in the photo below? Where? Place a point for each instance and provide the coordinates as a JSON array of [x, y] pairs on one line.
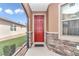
[[6, 32], [29, 13], [52, 17], [27, 9]]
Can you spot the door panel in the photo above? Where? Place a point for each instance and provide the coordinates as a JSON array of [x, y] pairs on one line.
[[39, 28]]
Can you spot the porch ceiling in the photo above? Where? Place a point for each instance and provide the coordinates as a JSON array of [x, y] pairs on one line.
[[39, 6]]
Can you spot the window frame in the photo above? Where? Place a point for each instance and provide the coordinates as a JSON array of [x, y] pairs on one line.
[[13, 27], [64, 20]]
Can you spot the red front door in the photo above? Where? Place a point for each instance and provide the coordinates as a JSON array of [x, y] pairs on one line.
[[38, 28]]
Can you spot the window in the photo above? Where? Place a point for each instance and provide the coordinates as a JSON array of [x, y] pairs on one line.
[[70, 20], [65, 27], [13, 27], [68, 12], [71, 27]]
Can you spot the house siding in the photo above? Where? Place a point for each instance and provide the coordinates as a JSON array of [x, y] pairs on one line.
[[53, 17], [29, 13], [52, 22], [65, 45], [6, 33]]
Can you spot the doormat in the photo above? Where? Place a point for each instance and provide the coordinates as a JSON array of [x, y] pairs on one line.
[[39, 45]]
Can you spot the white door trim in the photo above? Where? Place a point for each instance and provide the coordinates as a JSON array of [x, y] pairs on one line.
[[44, 28]]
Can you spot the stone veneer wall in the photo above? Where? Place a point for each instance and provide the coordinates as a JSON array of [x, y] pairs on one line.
[[30, 39], [50, 37], [63, 47]]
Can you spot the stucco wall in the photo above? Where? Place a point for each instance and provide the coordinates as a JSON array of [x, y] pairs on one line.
[[29, 13], [53, 17], [52, 23], [27, 9]]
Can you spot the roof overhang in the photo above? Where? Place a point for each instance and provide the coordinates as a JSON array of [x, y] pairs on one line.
[[38, 6]]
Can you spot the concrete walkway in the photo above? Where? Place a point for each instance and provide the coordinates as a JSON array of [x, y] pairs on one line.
[[40, 51]]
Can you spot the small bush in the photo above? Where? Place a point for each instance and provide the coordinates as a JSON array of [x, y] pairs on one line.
[[12, 49], [6, 50], [9, 50]]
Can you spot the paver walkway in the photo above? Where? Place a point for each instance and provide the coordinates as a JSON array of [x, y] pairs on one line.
[[40, 51]]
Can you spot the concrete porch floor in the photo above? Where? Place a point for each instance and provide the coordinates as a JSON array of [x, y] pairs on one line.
[[40, 51]]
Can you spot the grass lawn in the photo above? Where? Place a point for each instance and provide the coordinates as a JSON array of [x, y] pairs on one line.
[[18, 41]]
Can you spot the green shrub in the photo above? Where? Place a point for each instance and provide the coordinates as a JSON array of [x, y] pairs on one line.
[[9, 50], [6, 50], [12, 49]]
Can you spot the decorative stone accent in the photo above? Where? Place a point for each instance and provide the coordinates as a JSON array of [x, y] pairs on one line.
[[30, 39], [63, 47], [51, 37]]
